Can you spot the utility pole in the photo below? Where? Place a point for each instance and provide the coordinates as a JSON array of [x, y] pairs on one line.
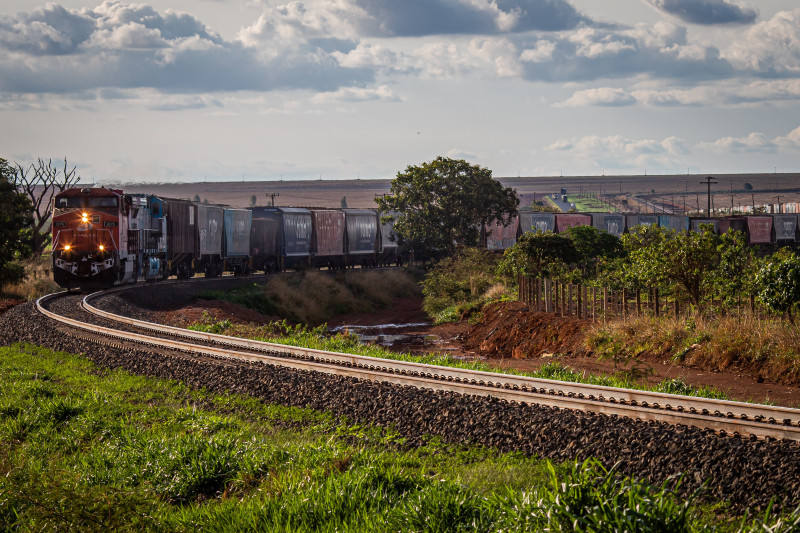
[[708, 181], [272, 195]]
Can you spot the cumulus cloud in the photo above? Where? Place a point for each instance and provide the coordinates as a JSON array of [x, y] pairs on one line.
[[592, 53], [706, 11], [411, 18], [618, 152], [771, 47], [134, 46], [491, 57], [439, 17], [357, 94], [760, 92], [601, 96], [755, 142]]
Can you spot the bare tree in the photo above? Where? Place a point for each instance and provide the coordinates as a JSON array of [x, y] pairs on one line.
[[40, 182]]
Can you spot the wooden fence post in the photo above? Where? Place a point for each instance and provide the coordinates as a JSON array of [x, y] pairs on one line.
[[581, 288], [638, 301], [624, 303], [569, 299], [658, 306]]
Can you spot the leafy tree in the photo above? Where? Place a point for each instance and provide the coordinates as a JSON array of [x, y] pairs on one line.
[[735, 272], [40, 182], [460, 279], [15, 216], [778, 282], [696, 263], [253, 200], [593, 247], [748, 187], [344, 202], [442, 205], [539, 255]]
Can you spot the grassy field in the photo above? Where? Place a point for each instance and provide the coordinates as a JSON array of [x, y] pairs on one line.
[[83, 449]]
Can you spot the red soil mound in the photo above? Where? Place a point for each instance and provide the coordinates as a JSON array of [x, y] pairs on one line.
[[513, 330]]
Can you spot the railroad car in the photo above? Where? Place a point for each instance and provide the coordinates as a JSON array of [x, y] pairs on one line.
[[675, 222], [182, 237], [264, 248], [236, 240], [327, 238], [389, 253], [566, 221], [210, 226], [497, 237], [612, 223], [535, 221], [631, 221], [292, 237], [361, 237], [784, 228]]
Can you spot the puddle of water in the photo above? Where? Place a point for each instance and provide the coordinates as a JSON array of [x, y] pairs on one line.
[[379, 326], [389, 334]]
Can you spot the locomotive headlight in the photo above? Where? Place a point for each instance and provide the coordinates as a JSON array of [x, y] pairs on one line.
[[102, 247], [67, 247], [84, 217]]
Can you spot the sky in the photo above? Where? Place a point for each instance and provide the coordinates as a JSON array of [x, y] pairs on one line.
[[217, 90]]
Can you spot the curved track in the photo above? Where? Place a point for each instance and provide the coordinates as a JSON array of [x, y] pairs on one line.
[[735, 418]]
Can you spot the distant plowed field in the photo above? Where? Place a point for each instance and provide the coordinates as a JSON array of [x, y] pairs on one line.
[[731, 189]]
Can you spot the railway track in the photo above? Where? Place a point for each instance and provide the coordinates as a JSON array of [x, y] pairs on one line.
[[725, 417]]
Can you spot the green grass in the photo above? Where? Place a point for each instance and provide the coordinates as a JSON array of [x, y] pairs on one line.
[[85, 449], [589, 203], [317, 338]]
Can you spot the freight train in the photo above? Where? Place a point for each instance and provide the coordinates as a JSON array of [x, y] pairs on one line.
[[104, 237], [760, 230]]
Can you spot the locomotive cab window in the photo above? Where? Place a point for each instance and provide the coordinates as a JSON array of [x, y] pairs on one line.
[[76, 202], [103, 201]]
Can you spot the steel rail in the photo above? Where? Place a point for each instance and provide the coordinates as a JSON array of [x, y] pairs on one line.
[[669, 402], [315, 360]]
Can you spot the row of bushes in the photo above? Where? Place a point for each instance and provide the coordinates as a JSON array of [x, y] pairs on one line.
[[697, 268]]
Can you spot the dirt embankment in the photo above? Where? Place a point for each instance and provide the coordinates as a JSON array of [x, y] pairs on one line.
[[513, 330], [515, 337]]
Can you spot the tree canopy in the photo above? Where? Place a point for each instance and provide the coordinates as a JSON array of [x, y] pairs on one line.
[[442, 205], [15, 217], [697, 263], [778, 282]]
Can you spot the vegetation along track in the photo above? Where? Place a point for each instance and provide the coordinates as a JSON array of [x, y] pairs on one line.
[[746, 472], [725, 417]]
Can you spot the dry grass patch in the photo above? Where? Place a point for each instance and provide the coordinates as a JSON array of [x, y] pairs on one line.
[[313, 297], [38, 281], [766, 348]]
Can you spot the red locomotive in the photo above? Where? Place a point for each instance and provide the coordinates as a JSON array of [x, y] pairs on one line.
[[102, 237]]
